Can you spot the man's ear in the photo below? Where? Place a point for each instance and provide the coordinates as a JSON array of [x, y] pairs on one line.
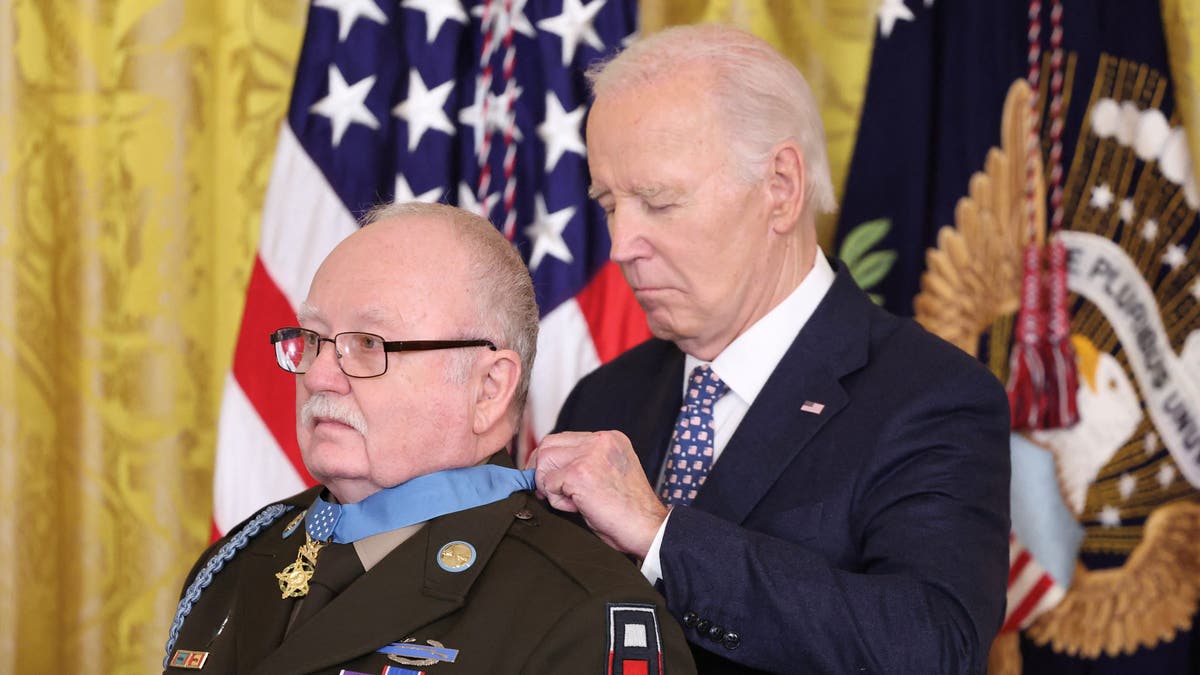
[[785, 184], [497, 375]]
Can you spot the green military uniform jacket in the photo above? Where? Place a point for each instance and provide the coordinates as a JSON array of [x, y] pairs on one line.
[[537, 599]]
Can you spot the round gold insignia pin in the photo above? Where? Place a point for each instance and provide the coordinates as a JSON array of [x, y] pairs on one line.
[[456, 556]]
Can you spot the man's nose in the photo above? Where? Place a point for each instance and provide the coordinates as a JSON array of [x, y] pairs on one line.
[[325, 374], [625, 234]]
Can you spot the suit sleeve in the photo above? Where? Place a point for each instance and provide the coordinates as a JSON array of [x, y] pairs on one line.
[[925, 591], [598, 634]]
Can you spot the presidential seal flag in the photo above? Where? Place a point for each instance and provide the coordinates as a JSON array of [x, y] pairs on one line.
[[1105, 552], [479, 104]]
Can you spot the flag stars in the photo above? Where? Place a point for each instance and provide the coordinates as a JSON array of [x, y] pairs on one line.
[[468, 201], [1126, 485], [560, 131], [1166, 475], [437, 13], [891, 11], [424, 108], [1150, 443], [1196, 289], [404, 192], [494, 116], [1110, 516], [503, 20], [350, 11], [546, 232], [346, 104], [1102, 196], [1174, 257], [574, 24], [1126, 210], [1150, 230]]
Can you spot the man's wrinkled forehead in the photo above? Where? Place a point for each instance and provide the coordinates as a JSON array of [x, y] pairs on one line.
[[363, 318]]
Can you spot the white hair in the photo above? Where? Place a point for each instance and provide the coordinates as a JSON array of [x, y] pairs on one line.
[[505, 304], [760, 96]]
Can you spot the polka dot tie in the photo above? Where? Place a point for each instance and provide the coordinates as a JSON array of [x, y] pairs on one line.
[[691, 452]]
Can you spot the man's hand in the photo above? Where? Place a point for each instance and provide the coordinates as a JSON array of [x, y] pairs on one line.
[[598, 475]]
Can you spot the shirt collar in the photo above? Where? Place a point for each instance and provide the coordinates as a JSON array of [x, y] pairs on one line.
[[748, 361]]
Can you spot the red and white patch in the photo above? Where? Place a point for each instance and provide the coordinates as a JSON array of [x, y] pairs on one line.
[[634, 643]]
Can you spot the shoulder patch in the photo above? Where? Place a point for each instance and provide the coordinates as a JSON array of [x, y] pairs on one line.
[[634, 644]]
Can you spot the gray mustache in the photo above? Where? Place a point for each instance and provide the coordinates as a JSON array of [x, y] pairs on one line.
[[329, 407]]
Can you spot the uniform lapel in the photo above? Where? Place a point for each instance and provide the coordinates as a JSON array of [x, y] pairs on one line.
[[263, 613], [776, 428], [404, 592]]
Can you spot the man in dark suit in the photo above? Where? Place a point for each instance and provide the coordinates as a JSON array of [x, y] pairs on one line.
[[422, 550], [813, 484]]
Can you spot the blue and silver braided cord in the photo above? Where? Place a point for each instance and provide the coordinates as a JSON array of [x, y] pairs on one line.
[[236, 543]]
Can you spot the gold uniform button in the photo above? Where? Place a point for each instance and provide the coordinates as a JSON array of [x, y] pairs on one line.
[[524, 514]]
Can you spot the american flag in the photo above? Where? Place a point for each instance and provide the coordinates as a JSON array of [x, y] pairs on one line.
[[479, 104]]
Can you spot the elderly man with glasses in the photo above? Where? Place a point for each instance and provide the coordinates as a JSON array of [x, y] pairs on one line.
[[422, 549]]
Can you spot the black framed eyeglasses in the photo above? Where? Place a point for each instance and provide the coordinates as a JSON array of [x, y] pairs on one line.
[[358, 354]]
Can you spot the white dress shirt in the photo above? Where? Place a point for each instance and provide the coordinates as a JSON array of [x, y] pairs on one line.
[[745, 365]]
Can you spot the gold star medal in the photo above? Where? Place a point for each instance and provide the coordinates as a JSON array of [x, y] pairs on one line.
[[293, 580]]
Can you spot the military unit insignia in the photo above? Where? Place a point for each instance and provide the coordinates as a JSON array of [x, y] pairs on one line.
[[634, 644], [294, 525], [456, 556], [1126, 475], [189, 659]]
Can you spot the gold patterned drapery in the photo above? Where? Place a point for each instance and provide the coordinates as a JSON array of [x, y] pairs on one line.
[[135, 144]]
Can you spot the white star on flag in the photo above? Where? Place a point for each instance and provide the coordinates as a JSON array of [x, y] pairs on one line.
[[1174, 257], [501, 20], [437, 12], [560, 131], [1102, 196], [404, 192], [468, 202], [1126, 485], [424, 109], [546, 233], [1150, 229], [573, 25], [345, 104], [1126, 210], [497, 117], [889, 12], [1196, 289], [350, 10], [1166, 476], [1110, 516], [1150, 443]]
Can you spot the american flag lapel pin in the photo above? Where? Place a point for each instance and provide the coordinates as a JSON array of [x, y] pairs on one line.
[[812, 407]]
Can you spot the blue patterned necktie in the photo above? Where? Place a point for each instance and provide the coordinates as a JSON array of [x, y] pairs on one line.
[[691, 454]]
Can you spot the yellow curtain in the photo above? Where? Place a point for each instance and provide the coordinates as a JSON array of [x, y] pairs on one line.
[[135, 144], [1181, 23], [830, 42]]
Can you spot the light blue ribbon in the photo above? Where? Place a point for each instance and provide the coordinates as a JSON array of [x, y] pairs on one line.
[[416, 501]]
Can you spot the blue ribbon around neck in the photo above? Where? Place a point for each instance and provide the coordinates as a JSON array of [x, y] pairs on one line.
[[416, 501]]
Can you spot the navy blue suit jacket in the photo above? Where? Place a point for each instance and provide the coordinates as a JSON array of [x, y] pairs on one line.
[[869, 537]]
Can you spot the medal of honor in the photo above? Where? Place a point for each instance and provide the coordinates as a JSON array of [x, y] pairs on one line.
[[293, 580]]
